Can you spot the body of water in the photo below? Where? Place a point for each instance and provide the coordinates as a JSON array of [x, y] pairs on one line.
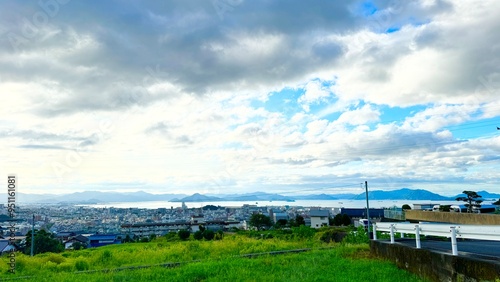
[[303, 203]]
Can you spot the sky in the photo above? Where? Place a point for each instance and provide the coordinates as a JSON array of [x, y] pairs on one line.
[[239, 96]]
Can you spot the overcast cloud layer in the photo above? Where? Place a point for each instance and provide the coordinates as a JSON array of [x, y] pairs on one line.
[[235, 96]]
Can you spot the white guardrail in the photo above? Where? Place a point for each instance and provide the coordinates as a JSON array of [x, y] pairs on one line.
[[453, 231]]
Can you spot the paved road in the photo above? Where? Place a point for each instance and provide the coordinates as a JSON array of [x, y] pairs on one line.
[[479, 248]]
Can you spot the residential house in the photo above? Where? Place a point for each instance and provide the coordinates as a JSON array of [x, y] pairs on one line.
[[319, 218], [84, 241], [99, 240], [5, 247]]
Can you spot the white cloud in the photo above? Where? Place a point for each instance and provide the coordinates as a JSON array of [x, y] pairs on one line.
[[359, 116], [180, 98]]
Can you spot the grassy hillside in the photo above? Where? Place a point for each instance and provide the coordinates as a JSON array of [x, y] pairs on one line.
[[212, 261]]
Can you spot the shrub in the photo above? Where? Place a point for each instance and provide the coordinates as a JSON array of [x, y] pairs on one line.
[[219, 235], [184, 234], [171, 236], [208, 234], [332, 235], [303, 231], [55, 258], [198, 235], [358, 236]]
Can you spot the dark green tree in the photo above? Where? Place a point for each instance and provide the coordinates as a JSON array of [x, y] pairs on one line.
[[299, 220], [330, 221], [198, 235], [341, 220], [128, 239], [497, 203], [208, 234], [184, 234], [152, 237], [281, 223], [346, 220], [471, 199], [406, 207], [44, 242], [259, 221], [444, 208], [337, 220]]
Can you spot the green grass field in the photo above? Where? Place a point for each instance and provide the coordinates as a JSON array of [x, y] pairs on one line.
[[211, 261]]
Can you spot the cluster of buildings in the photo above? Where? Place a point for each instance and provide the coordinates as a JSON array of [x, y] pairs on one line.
[[93, 227]]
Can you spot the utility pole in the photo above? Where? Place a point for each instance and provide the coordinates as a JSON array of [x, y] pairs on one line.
[[32, 235], [367, 209]]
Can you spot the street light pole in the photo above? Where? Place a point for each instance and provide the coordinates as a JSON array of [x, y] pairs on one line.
[[367, 209], [32, 235]]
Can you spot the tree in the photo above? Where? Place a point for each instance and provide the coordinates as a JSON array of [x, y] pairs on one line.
[[281, 222], [406, 207], [184, 234], [444, 208], [471, 199], [497, 203], [208, 234], [198, 235], [337, 220], [44, 242], [259, 221], [341, 219], [346, 220], [128, 239], [299, 220]]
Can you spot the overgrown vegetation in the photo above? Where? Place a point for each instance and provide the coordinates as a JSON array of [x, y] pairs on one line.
[[44, 242], [219, 259]]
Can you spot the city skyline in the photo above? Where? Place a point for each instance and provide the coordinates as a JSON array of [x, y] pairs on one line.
[[220, 97]]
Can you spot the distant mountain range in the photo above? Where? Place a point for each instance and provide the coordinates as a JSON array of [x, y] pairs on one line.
[[403, 194], [96, 197]]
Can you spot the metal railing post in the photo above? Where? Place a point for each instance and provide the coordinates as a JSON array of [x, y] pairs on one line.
[[417, 236], [454, 249], [392, 233], [374, 231]]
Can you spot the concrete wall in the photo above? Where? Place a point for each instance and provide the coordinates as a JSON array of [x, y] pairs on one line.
[[437, 266], [453, 217]]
